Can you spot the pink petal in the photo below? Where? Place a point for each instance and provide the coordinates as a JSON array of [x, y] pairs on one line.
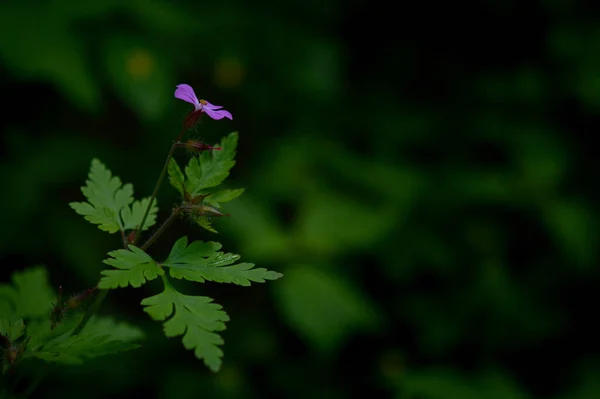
[[211, 106], [186, 93], [217, 114]]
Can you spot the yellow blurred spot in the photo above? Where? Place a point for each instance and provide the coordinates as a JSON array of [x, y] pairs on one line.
[[229, 72], [140, 64]]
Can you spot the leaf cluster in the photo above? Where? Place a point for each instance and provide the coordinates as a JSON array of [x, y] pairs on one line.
[[27, 331], [197, 319]]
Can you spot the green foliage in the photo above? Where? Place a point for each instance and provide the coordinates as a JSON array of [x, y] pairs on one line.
[[204, 173], [100, 336], [12, 329], [205, 224], [326, 164], [194, 317], [440, 383], [109, 202], [135, 267], [323, 307], [224, 196], [26, 328], [201, 261], [210, 168], [132, 217], [176, 177], [30, 296]]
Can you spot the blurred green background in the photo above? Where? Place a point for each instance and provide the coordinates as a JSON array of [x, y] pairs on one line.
[[424, 177]]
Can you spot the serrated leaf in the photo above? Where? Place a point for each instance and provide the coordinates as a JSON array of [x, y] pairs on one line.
[[41, 332], [194, 317], [109, 202], [200, 261], [132, 217], [135, 268], [211, 167], [224, 196], [106, 197], [176, 177], [206, 224], [100, 336], [29, 296], [12, 329]]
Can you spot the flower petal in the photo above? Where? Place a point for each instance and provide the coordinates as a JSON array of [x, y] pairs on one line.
[[217, 114], [211, 106], [186, 93]]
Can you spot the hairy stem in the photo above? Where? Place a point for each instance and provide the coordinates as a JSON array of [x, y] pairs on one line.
[[180, 135], [90, 311], [162, 229], [124, 238], [158, 183]]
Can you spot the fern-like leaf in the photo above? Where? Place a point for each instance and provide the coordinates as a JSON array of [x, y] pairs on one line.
[[100, 336], [109, 201], [201, 261], [211, 167], [135, 267], [194, 317], [30, 295]]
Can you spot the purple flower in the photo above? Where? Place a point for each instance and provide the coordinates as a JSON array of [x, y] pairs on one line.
[[186, 93]]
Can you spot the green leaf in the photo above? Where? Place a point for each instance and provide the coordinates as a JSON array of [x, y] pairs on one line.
[[224, 196], [41, 332], [106, 197], [133, 217], [13, 329], [176, 177], [135, 268], [109, 200], [211, 167], [100, 336], [205, 223], [29, 296], [200, 261], [194, 317], [324, 308]]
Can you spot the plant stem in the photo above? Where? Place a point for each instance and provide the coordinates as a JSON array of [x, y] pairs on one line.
[[123, 238], [161, 230], [90, 312], [165, 281], [158, 183], [180, 135]]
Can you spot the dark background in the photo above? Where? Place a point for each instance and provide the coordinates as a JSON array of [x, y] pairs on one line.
[[424, 176]]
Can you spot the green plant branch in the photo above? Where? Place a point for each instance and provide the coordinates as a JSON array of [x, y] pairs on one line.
[[162, 229], [158, 183]]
